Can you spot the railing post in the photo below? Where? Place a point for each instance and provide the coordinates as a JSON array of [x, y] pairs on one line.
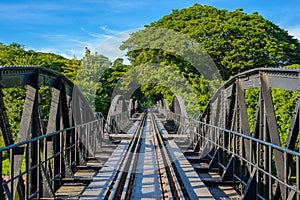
[[11, 174], [61, 156], [27, 188], [298, 176], [56, 162], [2, 197], [72, 148]]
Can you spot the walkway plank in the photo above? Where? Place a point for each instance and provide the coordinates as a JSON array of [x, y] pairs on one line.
[[99, 186]]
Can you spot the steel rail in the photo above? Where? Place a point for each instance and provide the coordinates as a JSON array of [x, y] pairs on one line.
[[160, 164], [122, 185], [176, 186], [133, 164], [116, 187]]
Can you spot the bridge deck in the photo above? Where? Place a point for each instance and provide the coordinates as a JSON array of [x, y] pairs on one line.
[[99, 186], [146, 183], [210, 156], [150, 180], [191, 172]]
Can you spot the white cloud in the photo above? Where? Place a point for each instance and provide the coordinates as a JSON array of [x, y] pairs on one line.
[[295, 31], [106, 42], [110, 46], [109, 31], [96, 35]]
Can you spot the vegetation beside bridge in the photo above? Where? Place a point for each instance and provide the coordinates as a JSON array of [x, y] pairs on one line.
[[236, 41]]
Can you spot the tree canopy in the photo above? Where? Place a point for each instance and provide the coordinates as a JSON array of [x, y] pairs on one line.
[[184, 52], [15, 54], [235, 40]]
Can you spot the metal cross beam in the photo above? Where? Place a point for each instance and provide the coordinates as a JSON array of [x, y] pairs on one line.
[[255, 162], [49, 153]]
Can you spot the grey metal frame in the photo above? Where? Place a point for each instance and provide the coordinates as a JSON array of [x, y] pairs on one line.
[[253, 162], [47, 173], [118, 115], [68, 109]]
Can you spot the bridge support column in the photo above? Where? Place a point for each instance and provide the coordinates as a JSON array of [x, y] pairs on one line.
[[29, 128], [250, 189], [8, 140], [53, 125]]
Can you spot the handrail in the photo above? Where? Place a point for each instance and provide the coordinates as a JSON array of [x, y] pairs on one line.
[[45, 136], [87, 140], [295, 153], [208, 140], [286, 150]]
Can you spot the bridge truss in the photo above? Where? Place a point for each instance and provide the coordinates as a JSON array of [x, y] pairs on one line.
[[72, 130], [255, 162]]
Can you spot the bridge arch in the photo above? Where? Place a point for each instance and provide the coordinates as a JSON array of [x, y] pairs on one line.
[[118, 114], [67, 109], [225, 126], [178, 106], [179, 115]]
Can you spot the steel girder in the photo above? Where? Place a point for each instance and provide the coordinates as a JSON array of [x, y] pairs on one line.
[[68, 108], [247, 158], [118, 115], [227, 109], [178, 107]]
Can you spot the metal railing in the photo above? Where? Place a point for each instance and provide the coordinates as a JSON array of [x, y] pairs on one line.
[[181, 123], [250, 171], [118, 122], [48, 159]]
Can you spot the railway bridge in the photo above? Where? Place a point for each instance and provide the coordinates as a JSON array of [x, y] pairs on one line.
[[154, 153]]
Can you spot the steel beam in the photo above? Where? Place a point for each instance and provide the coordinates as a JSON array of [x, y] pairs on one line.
[[272, 128]]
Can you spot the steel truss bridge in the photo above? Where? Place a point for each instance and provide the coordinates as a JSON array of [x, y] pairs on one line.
[[74, 153]]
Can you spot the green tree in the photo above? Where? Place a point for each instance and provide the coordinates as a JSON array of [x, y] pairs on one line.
[[107, 83], [89, 74], [14, 54], [235, 40], [70, 70]]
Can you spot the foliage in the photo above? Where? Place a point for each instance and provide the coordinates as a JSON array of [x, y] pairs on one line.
[[235, 40], [14, 102], [165, 63], [284, 105], [89, 75], [107, 83], [14, 54], [251, 97], [45, 104], [70, 69], [293, 66]]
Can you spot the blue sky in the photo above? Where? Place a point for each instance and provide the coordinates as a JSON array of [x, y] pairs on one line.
[[66, 27]]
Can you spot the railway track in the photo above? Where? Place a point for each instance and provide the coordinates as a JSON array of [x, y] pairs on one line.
[[146, 169]]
